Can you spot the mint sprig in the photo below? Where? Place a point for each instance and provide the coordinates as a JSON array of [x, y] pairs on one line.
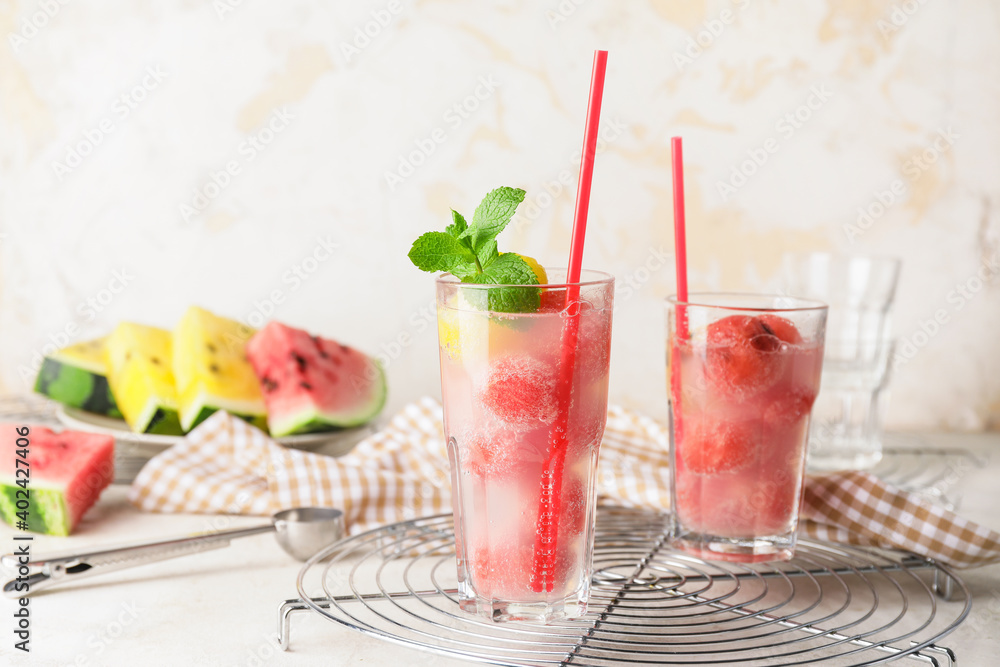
[[510, 269], [440, 251], [492, 215], [469, 252]]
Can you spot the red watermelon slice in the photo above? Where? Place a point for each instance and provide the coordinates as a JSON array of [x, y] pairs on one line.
[[313, 384], [65, 475]]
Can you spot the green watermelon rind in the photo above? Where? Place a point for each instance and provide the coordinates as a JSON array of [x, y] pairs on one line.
[[313, 421], [164, 422], [260, 421], [76, 387], [157, 418], [47, 509]]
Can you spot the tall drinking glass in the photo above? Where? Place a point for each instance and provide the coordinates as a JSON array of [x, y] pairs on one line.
[[743, 372], [524, 414], [846, 429]]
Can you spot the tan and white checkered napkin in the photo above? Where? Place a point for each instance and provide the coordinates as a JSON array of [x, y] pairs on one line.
[[227, 466]]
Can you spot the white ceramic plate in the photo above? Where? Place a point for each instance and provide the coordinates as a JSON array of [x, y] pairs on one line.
[[340, 442]]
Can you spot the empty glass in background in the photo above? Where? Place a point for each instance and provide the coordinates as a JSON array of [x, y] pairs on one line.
[[846, 430]]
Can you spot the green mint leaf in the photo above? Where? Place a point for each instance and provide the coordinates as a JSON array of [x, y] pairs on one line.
[[510, 269], [464, 271], [492, 215], [458, 224], [456, 229], [488, 254], [439, 251]]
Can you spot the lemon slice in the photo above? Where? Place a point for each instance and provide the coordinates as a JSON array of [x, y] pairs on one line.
[[448, 333], [536, 268], [464, 330]]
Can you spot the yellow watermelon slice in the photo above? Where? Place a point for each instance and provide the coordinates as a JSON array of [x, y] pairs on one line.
[[212, 371], [138, 358]]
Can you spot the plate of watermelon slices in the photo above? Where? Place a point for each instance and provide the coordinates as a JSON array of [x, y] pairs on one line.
[[333, 443], [148, 386]]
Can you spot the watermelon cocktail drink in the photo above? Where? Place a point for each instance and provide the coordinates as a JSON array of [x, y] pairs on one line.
[[743, 372], [523, 496]]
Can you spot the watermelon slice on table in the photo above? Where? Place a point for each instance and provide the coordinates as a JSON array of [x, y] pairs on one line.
[[314, 384], [211, 369], [66, 473], [138, 358], [76, 376]]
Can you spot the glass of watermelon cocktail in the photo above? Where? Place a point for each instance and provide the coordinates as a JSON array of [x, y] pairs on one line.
[[501, 375], [743, 372]]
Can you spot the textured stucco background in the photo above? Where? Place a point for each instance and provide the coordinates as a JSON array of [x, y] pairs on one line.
[[277, 159]]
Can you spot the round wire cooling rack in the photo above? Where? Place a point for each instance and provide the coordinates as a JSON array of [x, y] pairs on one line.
[[650, 604]]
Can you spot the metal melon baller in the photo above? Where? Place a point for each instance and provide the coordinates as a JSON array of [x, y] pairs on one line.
[[301, 532]]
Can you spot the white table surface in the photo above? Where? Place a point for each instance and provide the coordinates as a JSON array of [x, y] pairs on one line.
[[220, 607]]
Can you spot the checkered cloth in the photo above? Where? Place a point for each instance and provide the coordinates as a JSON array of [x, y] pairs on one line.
[[227, 466]]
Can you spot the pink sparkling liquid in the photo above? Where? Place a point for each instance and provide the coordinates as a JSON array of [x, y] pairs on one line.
[[498, 376]]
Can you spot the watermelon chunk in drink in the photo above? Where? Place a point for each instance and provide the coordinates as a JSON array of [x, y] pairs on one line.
[[520, 390]]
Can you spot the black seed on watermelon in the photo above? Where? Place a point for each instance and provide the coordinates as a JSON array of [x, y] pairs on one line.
[[299, 374]]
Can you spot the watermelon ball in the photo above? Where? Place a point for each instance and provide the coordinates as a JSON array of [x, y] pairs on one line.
[[503, 569], [594, 352], [520, 391], [781, 327], [586, 423], [790, 407], [741, 357], [690, 504], [573, 510], [553, 301], [486, 455], [708, 448], [594, 349], [771, 506], [748, 505]]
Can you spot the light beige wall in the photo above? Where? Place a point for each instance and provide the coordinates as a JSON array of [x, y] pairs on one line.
[[883, 77]]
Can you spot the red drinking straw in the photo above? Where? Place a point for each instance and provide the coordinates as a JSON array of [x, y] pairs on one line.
[[680, 253], [680, 243], [550, 498]]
